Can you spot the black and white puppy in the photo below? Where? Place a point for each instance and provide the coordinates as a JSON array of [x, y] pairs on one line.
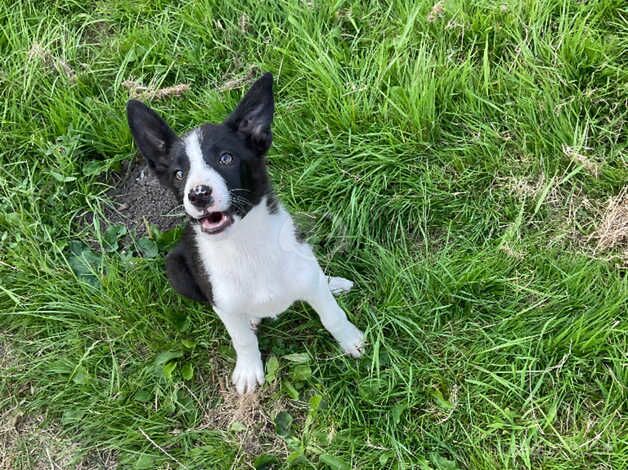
[[239, 252]]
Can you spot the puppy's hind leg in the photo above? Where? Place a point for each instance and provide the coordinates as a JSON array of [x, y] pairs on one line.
[[334, 318], [339, 285]]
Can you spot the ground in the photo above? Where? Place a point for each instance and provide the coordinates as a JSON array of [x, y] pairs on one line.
[[464, 163]]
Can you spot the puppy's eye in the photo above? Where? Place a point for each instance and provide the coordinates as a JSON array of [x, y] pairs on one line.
[[225, 158], [179, 175]]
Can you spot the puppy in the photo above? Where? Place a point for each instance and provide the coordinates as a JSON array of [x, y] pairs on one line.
[[239, 252]]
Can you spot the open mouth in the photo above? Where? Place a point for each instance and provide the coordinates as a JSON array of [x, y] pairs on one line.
[[215, 222]]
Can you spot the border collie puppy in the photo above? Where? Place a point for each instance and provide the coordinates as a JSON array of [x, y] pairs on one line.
[[239, 251]]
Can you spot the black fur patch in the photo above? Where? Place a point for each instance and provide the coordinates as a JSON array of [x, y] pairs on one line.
[[185, 269], [272, 203], [299, 234]]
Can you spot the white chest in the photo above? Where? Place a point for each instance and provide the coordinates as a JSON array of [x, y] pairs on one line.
[[259, 269]]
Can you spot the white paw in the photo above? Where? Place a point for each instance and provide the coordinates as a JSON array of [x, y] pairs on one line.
[[351, 340], [338, 285], [247, 374]]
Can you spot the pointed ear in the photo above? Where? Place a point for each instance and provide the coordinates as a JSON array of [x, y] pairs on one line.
[[254, 114], [151, 134]]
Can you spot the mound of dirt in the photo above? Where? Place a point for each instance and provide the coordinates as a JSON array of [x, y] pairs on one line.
[[139, 200]]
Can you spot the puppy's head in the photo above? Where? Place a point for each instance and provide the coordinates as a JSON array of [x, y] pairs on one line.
[[217, 171]]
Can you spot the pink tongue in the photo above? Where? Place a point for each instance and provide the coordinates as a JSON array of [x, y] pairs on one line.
[[209, 223]]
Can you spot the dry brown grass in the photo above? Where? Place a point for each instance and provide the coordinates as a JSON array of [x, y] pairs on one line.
[[249, 417], [29, 442], [38, 52], [138, 90], [437, 12], [240, 80], [24, 439], [579, 158], [528, 188], [612, 231], [594, 226], [244, 23], [7, 355]]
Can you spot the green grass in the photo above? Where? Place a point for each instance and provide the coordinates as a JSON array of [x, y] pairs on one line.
[[457, 169]]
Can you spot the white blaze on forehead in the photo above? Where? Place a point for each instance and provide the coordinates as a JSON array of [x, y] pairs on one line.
[[201, 173]]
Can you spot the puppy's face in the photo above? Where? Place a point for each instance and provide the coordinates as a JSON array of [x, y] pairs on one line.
[[217, 171]]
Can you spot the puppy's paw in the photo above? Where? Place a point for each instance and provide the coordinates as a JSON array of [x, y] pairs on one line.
[[351, 340], [247, 375], [338, 285]]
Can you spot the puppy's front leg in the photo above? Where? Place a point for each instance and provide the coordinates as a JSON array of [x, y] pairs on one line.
[[249, 370], [334, 318]]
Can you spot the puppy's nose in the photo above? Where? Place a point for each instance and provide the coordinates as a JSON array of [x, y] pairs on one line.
[[200, 196]]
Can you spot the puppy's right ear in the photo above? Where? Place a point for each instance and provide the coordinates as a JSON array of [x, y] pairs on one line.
[[151, 134]]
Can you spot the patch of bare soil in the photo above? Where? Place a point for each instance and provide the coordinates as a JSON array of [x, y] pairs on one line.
[[139, 199]]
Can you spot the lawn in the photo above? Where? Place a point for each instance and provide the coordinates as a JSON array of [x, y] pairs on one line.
[[464, 162]]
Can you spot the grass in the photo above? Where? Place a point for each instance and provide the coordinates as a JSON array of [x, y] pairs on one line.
[[462, 162]]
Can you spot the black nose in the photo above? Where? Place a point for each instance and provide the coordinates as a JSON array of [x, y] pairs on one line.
[[200, 196]]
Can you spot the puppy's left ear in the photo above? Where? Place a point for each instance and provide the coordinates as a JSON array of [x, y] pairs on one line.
[[254, 114]]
